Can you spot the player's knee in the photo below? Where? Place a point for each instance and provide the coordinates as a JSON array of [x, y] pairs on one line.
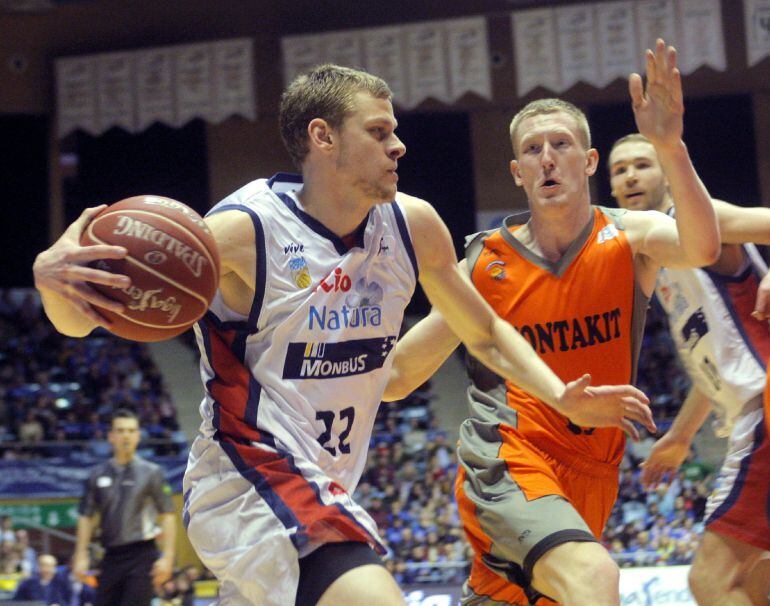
[[705, 584], [582, 575]]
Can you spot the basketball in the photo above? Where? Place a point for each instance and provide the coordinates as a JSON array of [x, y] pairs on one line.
[[172, 262]]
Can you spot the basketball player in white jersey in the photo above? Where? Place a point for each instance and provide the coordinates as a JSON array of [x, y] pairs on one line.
[[725, 352], [316, 273]]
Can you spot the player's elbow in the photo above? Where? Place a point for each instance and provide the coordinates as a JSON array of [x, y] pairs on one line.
[[706, 254]]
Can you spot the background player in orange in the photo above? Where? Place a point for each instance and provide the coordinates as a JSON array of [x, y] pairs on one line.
[[725, 352], [535, 489], [269, 504]]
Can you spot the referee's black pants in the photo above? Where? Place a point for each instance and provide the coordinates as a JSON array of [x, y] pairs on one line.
[[125, 577]]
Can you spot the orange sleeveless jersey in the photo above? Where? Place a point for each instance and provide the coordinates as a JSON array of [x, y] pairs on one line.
[[579, 318]]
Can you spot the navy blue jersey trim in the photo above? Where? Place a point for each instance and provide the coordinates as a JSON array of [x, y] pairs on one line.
[[260, 271], [320, 228], [735, 492], [284, 178], [185, 512], [720, 282], [401, 222]]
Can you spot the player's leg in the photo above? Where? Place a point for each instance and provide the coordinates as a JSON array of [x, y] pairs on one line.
[[719, 568], [578, 573], [346, 573], [757, 581]]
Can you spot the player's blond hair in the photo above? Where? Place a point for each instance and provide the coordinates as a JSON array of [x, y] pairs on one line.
[[325, 92], [550, 106]]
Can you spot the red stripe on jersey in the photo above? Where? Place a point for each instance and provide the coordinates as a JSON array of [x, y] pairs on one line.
[[743, 296], [230, 385], [323, 523]]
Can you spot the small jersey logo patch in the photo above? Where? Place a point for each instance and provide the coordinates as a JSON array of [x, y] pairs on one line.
[[104, 481], [608, 233]]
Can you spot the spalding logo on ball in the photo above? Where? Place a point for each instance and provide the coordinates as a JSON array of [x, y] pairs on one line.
[[172, 262]]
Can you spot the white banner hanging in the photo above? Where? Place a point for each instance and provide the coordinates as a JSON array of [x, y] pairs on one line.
[[343, 48], [115, 91], [300, 54], [192, 82], [577, 45], [618, 52], [756, 15], [427, 63], [655, 19], [76, 95], [154, 94], [701, 41], [468, 47], [534, 41], [384, 57], [233, 80]]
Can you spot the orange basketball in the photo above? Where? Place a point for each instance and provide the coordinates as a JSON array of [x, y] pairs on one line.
[[172, 262]]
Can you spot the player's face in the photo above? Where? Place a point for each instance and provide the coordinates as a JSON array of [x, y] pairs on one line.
[[552, 166], [369, 149], [124, 437], [637, 180]]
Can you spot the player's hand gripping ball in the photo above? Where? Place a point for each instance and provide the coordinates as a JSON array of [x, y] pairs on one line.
[[172, 261]]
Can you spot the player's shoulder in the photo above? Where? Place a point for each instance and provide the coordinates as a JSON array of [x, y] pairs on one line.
[[419, 212]]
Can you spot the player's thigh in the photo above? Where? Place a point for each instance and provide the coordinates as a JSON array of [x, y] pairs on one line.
[[576, 568], [371, 585], [756, 582], [721, 561]]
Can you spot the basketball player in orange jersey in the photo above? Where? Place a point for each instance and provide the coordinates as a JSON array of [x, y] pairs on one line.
[[725, 352], [535, 489], [316, 272]]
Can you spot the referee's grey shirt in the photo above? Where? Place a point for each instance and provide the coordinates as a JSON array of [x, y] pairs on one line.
[[129, 499]]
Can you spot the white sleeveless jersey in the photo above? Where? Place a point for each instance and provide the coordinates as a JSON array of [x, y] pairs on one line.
[[724, 350], [305, 371]]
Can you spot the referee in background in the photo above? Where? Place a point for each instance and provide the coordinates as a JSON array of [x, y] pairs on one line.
[[130, 495]]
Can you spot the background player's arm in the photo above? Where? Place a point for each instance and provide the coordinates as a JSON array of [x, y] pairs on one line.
[[419, 354], [80, 559], [61, 277], [498, 345], [163, 568], [740, 225], [672, 449]]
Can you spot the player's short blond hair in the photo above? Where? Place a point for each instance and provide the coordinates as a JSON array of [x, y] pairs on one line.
[[550, 106], [325, 92]]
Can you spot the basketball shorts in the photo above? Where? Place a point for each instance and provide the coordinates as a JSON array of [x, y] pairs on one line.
[[739, 506], [252, 511], [516, 502]]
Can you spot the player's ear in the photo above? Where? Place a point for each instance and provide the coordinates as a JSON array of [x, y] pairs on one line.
[[320, 133], [592, 161], [516, 173]]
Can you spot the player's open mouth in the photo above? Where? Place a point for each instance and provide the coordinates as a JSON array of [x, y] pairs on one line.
[[550, 183]]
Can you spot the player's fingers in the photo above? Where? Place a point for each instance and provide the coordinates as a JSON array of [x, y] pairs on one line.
[[671, 58], [676, 88], [640, 413], [651, 68], [97, 276], [98, 251], [630, 430], [84, 219], [91, 296], [661, 58], [636, 90], [636, 393]]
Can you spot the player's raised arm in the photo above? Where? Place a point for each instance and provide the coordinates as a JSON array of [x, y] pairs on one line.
[[498, 345], [659, 112], [62, 275]]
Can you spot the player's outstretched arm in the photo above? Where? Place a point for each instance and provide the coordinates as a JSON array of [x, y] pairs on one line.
[[498, 345], [671, 450], [62, 275], [659, 111], [740, 225]]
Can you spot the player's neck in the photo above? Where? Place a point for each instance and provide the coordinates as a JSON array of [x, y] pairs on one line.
[[338, 212], [550, 234], [122, 459]]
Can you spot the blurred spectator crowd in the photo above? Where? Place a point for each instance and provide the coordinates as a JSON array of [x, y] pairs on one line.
[[57, 393]]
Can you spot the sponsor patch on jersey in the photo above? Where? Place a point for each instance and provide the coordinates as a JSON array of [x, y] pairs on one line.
[[361, 308], [321, 360], [496, 269], [387, 245], [299, 271], [694, 328], [608, 233], [104, 481]]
